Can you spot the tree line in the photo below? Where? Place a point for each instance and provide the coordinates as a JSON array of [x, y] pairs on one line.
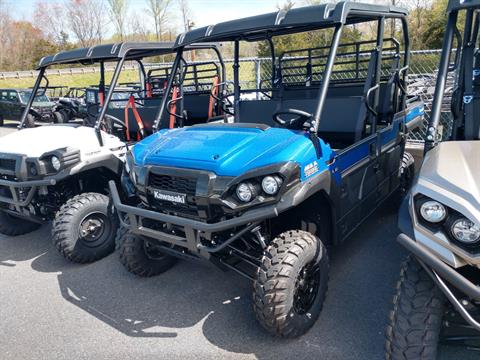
[[66, 24]]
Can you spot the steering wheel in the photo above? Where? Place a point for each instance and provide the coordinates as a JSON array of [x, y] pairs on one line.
[[296, 119], [224, 99], [113, 125]]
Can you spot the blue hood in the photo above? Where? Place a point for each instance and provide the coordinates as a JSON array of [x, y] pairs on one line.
[[226, 151]]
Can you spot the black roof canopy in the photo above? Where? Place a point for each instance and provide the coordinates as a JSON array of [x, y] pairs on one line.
[[285, 22], [454, 5], [113, 52]]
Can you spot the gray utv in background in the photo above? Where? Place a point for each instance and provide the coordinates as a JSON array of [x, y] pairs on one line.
[[438, 294]]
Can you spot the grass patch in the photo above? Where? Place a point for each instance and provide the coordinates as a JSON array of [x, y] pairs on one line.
[[76, 80]]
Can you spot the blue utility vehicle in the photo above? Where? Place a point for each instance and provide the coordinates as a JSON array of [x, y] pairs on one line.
[[304, 163]]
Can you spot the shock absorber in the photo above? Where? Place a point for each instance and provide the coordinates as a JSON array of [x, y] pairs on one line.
[[259, 236]]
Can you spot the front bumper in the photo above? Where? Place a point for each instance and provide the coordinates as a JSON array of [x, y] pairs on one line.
[[446, 272], [192, 228], [14, 187]]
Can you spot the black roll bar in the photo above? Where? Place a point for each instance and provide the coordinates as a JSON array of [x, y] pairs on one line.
[[272, 53], [163, 104], [377, 73], [326, 76], [236, 80], [175, 68], [107, 99], [431, 136], [31, 98]]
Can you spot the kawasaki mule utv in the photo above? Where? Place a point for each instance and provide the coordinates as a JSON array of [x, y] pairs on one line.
[[297, 171], [61, 172], [13, 103], [438, 294]]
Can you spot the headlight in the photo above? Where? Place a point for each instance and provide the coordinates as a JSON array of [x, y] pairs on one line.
[[32, 169], [465, 231], [130, 167], [56, 163], [245, 192], [433, 212], [129, 163], [271, 185]]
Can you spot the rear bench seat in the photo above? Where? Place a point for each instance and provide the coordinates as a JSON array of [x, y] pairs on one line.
[[341, 124]]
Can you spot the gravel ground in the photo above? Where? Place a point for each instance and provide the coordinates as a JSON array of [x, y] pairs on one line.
[[51, 309]]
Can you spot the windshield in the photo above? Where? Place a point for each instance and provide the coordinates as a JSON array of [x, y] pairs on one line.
[[25, 95]]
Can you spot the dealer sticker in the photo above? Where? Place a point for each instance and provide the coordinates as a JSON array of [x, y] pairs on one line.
[[310, 169]]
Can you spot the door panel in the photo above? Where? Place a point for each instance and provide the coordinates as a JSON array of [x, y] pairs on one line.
[[357, 189]]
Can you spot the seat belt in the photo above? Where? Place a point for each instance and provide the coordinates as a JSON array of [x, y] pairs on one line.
[[213, 94], [138, 119], [149, 89], [173, 109]]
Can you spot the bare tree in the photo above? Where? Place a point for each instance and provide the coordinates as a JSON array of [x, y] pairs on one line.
[[138, 28], [158, 9], [186, 14], [86, 20], [118, 15], [4, 27], [50, 17]]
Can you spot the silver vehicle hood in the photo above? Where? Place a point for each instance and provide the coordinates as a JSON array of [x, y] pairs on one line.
[[450, 174], [455, 167]]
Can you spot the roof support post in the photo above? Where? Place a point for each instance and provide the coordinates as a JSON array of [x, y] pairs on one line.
[[163, 104], [101, 85], [406, 61], [236, 79], [105, 104], [274, 66], [378, 69], [31, 99], [327, 73], [431, 137]]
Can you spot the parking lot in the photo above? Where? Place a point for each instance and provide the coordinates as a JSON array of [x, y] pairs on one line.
[[52, 309]]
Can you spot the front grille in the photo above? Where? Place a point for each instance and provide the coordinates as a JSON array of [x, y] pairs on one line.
[[176, 184], [8, 164], [173, 183]]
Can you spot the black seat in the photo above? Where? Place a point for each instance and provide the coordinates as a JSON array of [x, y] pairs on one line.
[[342, 120], [388, 96], [344, 114]]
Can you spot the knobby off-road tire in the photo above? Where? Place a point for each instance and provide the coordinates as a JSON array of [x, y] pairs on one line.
[[59, 117], [13, 226], [139, 256], [84, 228], [30, 121], [415, 323], [407, 173], [294, 264]]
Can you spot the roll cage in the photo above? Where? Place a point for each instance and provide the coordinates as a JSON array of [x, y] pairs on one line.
[[466, 63], [119, 54], [265, 27]]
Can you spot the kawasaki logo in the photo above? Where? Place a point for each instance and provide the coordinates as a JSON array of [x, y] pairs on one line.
[[169, 196]]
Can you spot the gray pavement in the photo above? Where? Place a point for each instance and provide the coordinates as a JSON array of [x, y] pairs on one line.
[[52, 309]]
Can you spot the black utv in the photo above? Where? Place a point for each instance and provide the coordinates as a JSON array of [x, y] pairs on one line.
[[14, 101]]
